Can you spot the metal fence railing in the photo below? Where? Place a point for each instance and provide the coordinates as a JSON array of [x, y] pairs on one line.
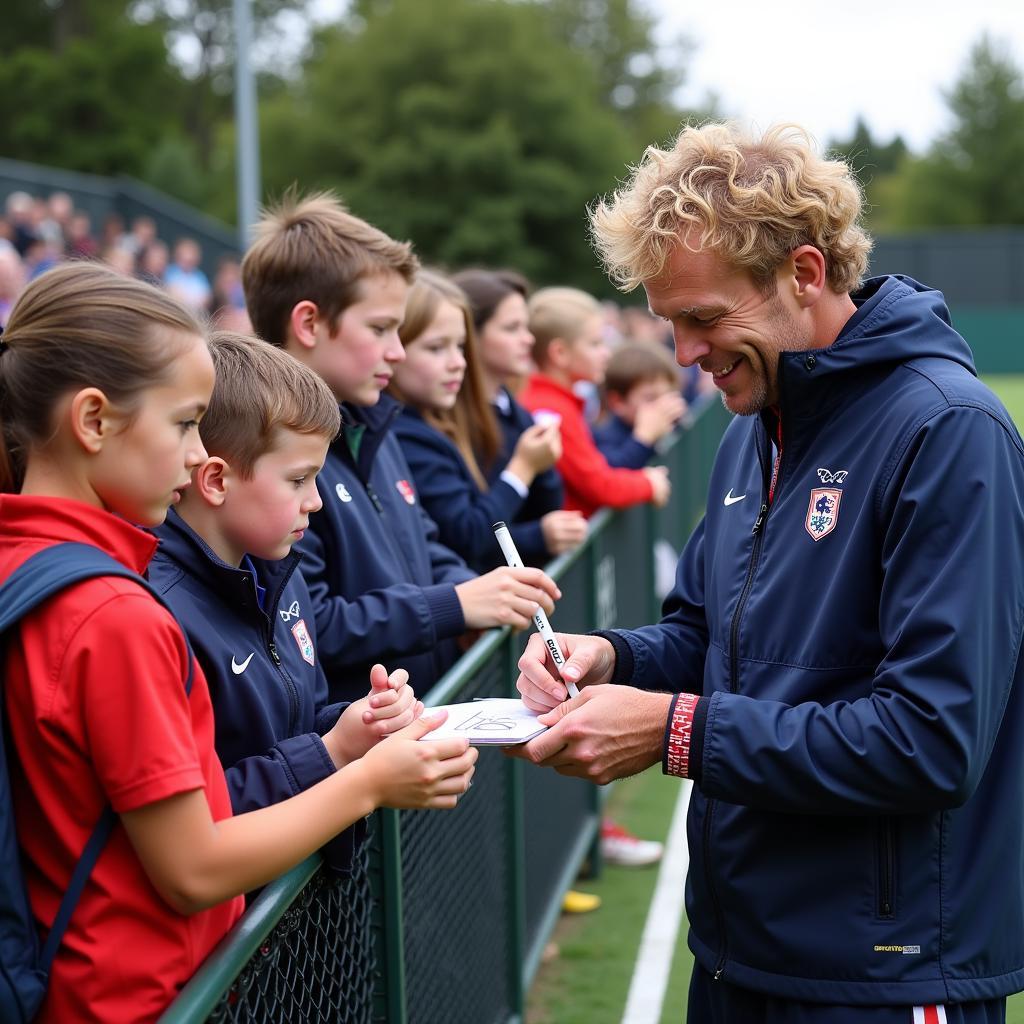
[[463, 902]]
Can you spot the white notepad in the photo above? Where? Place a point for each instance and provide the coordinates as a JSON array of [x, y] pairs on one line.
[[498, 721]]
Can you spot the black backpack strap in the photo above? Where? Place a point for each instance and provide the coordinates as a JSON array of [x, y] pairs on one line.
[[40, 577], [73, 893]]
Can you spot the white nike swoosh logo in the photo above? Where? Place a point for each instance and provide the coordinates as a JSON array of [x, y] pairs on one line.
[[730, 500], [239, 669]]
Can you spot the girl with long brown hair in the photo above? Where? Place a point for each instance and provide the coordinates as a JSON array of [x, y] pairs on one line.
[[451, 437]]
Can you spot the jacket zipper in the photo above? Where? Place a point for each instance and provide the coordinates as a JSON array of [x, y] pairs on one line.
[[374, 497], [886, 869], [275, 656], [755, 555], [734, 673], [392, 539]]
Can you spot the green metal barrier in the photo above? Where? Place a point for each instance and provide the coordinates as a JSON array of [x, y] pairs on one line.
[[463, 902], [995, 334]]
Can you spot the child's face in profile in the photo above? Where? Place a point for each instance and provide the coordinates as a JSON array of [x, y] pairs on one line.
[[145, 465], [505, 341], [640, 394], [435, 362], [588, 352], [265, 514], [358, 358]]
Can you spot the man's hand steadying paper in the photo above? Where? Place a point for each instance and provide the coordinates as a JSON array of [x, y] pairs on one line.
[[606, 733]]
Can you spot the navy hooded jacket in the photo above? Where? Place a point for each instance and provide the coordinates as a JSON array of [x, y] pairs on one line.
[[268, 690], [856, 828], [615, 441], [383, 586], [464, 514]]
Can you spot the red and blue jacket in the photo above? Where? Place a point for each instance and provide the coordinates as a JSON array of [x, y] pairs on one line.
[[382, 583], [856, 827]]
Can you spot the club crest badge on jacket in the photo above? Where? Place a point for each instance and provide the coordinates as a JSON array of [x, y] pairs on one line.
[[822, 511], [305, 642]]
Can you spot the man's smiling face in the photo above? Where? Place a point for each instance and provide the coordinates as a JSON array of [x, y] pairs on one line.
[[726, 325]]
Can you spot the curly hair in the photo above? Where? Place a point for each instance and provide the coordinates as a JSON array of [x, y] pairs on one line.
[[752, 199]]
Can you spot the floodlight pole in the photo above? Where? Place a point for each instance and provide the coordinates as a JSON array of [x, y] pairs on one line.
[[247, 144]]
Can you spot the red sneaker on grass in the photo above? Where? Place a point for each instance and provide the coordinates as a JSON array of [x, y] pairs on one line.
[[623, 848]]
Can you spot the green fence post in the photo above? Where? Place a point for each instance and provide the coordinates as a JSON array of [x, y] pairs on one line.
[[394, 926], [595, 863], [652, 519], [514, 802]]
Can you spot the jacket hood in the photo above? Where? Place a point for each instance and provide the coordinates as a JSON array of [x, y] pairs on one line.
[[897, 319]]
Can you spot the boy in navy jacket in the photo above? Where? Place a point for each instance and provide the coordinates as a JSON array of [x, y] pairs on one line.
[[644, 404], [331, 289], [225, 566]]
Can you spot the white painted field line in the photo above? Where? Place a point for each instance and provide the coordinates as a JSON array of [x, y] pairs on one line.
[[661, 930]]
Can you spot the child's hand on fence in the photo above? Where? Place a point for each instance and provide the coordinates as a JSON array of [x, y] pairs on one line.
[[390, 706], [661, 489], [406, 774], [655, 419], [563, 530]]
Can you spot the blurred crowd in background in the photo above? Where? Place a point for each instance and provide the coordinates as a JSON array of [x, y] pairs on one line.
[[38, 232]]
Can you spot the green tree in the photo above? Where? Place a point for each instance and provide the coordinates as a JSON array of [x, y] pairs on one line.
[[464, 125], [869, 158], [637, 77], [875, 164], [971, 175], [94, 97], [200, 38], [53, 24]]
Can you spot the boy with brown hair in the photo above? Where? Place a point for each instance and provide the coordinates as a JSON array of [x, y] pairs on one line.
[[331, 289], [226, 568], [569, 346], [643, 403]]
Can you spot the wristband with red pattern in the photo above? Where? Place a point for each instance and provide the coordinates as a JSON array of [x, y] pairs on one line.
[[678, 733]]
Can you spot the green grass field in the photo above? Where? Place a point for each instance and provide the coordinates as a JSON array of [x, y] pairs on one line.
[[1010, 388], [588, 980]]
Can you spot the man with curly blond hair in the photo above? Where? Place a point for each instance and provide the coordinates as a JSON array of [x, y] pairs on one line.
[[838, 668]]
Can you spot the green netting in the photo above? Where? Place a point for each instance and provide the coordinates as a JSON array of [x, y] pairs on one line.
[[456, 907], [318, 962]]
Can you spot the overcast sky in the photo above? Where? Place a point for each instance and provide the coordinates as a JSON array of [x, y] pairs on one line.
[[821, 63]]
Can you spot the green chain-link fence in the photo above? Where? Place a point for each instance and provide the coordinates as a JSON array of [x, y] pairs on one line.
[[444, 916]]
